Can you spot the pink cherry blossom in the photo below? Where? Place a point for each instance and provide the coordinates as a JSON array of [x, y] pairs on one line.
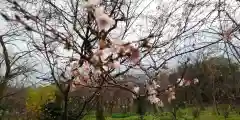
[[120, 49], [114, 64], [135, 55], [86, 66], [85, 78], [187, 82], [104, 22], [75, 73], [154, 99], [99, 11], [151, 88], [99, 52], [81, 80], [106, 53]]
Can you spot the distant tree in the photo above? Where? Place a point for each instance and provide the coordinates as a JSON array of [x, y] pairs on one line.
[[216, 75]]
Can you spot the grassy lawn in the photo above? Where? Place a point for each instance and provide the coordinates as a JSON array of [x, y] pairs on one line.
[[184, 114]]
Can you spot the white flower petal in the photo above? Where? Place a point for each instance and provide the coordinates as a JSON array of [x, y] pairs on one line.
[[106, 53], [195, 81], [153, 99], [115, 56], [99, 11], [105, 68], [117, 42], [180, 82], [116, 64], [136, 89]]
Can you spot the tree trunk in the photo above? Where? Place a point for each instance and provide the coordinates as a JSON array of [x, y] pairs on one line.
[[141, 106], [99, 109], [59, 101], [65, 112], [2, 89], [6, 77], [111, 108], [155, 108], [198, 97]]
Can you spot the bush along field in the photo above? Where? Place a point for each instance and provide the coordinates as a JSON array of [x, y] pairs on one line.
[[181, 114]]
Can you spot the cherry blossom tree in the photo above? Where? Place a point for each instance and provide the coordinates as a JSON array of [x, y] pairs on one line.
[[83, 43]]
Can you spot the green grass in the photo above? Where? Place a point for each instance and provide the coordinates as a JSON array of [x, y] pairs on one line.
[[183, 114]]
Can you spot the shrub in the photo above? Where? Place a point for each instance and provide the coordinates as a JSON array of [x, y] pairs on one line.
[[50, 111]]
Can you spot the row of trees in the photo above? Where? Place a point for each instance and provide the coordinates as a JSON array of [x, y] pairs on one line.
[[45, 102]]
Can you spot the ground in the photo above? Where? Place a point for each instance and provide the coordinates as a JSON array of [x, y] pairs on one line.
[[183, 114]]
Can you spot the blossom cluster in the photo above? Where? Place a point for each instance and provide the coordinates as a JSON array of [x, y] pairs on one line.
[[104, 22], [184, 82], [151, 87], [171, 93], [152, 94], [108, 53], [136, 89]]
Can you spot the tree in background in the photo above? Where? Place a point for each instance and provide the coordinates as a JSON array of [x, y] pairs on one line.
[[216, 75], [16, 64]]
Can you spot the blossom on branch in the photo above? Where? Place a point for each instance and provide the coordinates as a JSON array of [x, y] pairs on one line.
[[151, 87], [99, 11], [195, 81], [134, 55], [104, 22], [171, 94], [114, 64], [136, 89], [184, 82]]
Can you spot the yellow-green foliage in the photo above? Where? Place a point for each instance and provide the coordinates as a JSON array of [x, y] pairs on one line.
[[36, 97]]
